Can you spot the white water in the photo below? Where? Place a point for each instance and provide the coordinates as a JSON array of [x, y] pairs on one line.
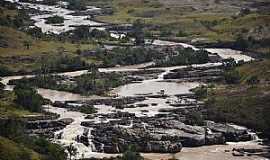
[[69, 22]]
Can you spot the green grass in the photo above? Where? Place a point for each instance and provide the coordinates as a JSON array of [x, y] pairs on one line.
[[17, 57], [244, 104], [8, 108], [258, 69], [181, 15], [9, 150]]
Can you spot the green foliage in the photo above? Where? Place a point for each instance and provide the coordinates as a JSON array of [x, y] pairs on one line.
[[131, 154], [54, 20], [50, 150], [252, 80], [97, 83], [2, 86], [128, 56], [11, 128], [184, 57], [232, 77], [62, 63], [87, 109], [28, 98], [76, 5], [10, 150], [18, 20], [248, 106], [194, 118], [138, 32], [181, 34], [20, 146], [200, 92], [4, 71], [84, 33], [87, 84]]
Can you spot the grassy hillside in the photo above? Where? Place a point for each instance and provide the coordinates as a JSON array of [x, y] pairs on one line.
[[244, 103], [261, 70], [214, 21], [10, 150], [8, 107], [21, 51]]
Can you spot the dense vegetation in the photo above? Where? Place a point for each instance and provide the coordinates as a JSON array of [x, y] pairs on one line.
[[14, 143], [128, 56], [28, 98], [54, 20], [187, 20], [185, 56], [87, 84], [245, 100]]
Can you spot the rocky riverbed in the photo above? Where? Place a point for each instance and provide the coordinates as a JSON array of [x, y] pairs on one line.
[[158, 114], [149, 120]]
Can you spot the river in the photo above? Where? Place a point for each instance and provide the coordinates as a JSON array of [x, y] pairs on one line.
[[152, 86]]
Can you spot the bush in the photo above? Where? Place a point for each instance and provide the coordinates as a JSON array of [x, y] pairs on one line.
[[76, 5], [2, 86], [87, 109], [252, 80], [54, 20], [28, 98], [50, 150], [131, 154], [4, 71], [200, 92], [185, 57], [11, 128], [232, 77]]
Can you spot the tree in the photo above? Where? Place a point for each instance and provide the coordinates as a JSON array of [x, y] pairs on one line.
[[138, 32], [2, 86], [131, 154], [72, 151], [252, 80], [232, 77], [27, 44], [4, 71], [28, 98]]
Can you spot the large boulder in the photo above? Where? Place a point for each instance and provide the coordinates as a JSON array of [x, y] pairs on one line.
[[232, 133]]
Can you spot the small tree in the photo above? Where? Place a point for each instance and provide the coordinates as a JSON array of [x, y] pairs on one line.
[[252, 80], [72, 151], [2, 86], [28, 98], [27, 44], [131, 154], [138, 32], [232, 77]]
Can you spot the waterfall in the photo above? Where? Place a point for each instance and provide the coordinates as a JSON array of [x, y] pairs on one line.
[[253, 136], [91, 144]]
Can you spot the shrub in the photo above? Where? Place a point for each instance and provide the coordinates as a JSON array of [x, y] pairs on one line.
[[2, 86], [200, 92], [131, 154], [28, 98], [232, 77], [54, 20], [4, 71]]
